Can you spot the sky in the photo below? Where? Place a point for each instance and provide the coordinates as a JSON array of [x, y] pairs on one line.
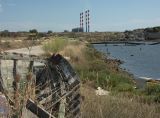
[[60, 15]]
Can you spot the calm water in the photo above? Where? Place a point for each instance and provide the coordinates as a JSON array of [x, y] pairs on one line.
[[140, 60]]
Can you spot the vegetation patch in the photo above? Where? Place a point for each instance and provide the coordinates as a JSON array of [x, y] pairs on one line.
[[55, 45], [95, 70], [90, 64]]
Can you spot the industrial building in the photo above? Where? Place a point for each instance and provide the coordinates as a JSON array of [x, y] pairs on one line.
[[78, 29], [83, 17]]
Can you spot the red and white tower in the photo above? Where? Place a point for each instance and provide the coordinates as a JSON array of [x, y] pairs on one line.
[[81, 20], [88, 21], [85, 16]]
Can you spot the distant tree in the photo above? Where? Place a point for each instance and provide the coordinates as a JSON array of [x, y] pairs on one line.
[[5, 33], [66, 31], [13, 34], [41, 34], [33, 31], [49, 32], [154, 29]]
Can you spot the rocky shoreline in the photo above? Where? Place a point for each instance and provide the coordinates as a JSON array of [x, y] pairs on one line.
[[139, 82]]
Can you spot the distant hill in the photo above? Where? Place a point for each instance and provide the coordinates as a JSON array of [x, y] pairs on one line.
[[153, 29]]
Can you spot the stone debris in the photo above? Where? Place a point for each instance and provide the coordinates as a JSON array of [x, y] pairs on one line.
[[101, 92], [67, 58], [4, 109]]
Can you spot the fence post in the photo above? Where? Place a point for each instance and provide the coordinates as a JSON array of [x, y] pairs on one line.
[[16, 86]]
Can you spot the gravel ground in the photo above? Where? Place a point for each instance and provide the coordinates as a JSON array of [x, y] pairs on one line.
[[36, 50]]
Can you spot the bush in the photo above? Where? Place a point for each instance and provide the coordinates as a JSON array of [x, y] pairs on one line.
[[152, 89], [124, 87], [7, 44], [55, 45], [157, 98], [97, 65], [92, 53]]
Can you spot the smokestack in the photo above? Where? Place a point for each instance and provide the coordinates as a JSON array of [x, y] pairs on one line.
[[81, 20], [88, 21], [86, 17]]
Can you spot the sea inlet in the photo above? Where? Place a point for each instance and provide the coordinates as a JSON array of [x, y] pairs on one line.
[[143, 61]]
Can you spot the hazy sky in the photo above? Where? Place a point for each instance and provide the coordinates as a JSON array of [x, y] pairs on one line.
[[57, 15]]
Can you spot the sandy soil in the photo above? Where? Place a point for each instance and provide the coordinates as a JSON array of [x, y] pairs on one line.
[[35, 50]]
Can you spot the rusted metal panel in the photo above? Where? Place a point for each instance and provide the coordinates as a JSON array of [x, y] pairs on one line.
[[37, 110], [56, 88]]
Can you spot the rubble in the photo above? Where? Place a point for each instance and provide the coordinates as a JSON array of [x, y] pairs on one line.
[[101, 92]]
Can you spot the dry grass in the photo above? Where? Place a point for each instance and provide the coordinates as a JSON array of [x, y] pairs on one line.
[[114, 106], [16, 43], [55, 45], [72, 49], [74, 52], [84, 60]]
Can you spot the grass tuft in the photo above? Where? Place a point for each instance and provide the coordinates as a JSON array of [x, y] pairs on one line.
[[55, 45]]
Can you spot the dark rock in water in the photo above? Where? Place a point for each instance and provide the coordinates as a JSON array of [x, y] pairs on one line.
[[153, 81], [119, 61], [114, 62], [132, 55], [140, 83]]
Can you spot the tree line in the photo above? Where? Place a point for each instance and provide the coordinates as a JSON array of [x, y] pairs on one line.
[[32, 32], [153, 29]]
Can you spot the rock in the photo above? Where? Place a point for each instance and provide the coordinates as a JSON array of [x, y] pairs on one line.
[[67, 58], [4, 109], [101, 92]]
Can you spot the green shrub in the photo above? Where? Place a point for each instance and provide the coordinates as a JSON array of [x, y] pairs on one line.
[[124, 87], [152, 89], [102, 79], [7, 44], [116, 78], [97, 65], [91, 53], [55, 45], [146, 99], [157, 98]]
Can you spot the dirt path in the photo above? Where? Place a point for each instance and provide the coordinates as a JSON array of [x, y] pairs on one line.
[[35, 50]]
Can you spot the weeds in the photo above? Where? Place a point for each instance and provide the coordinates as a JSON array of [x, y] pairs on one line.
[[98, 71], [115, 106], [152, 89], [55, 45], [124, 101]]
